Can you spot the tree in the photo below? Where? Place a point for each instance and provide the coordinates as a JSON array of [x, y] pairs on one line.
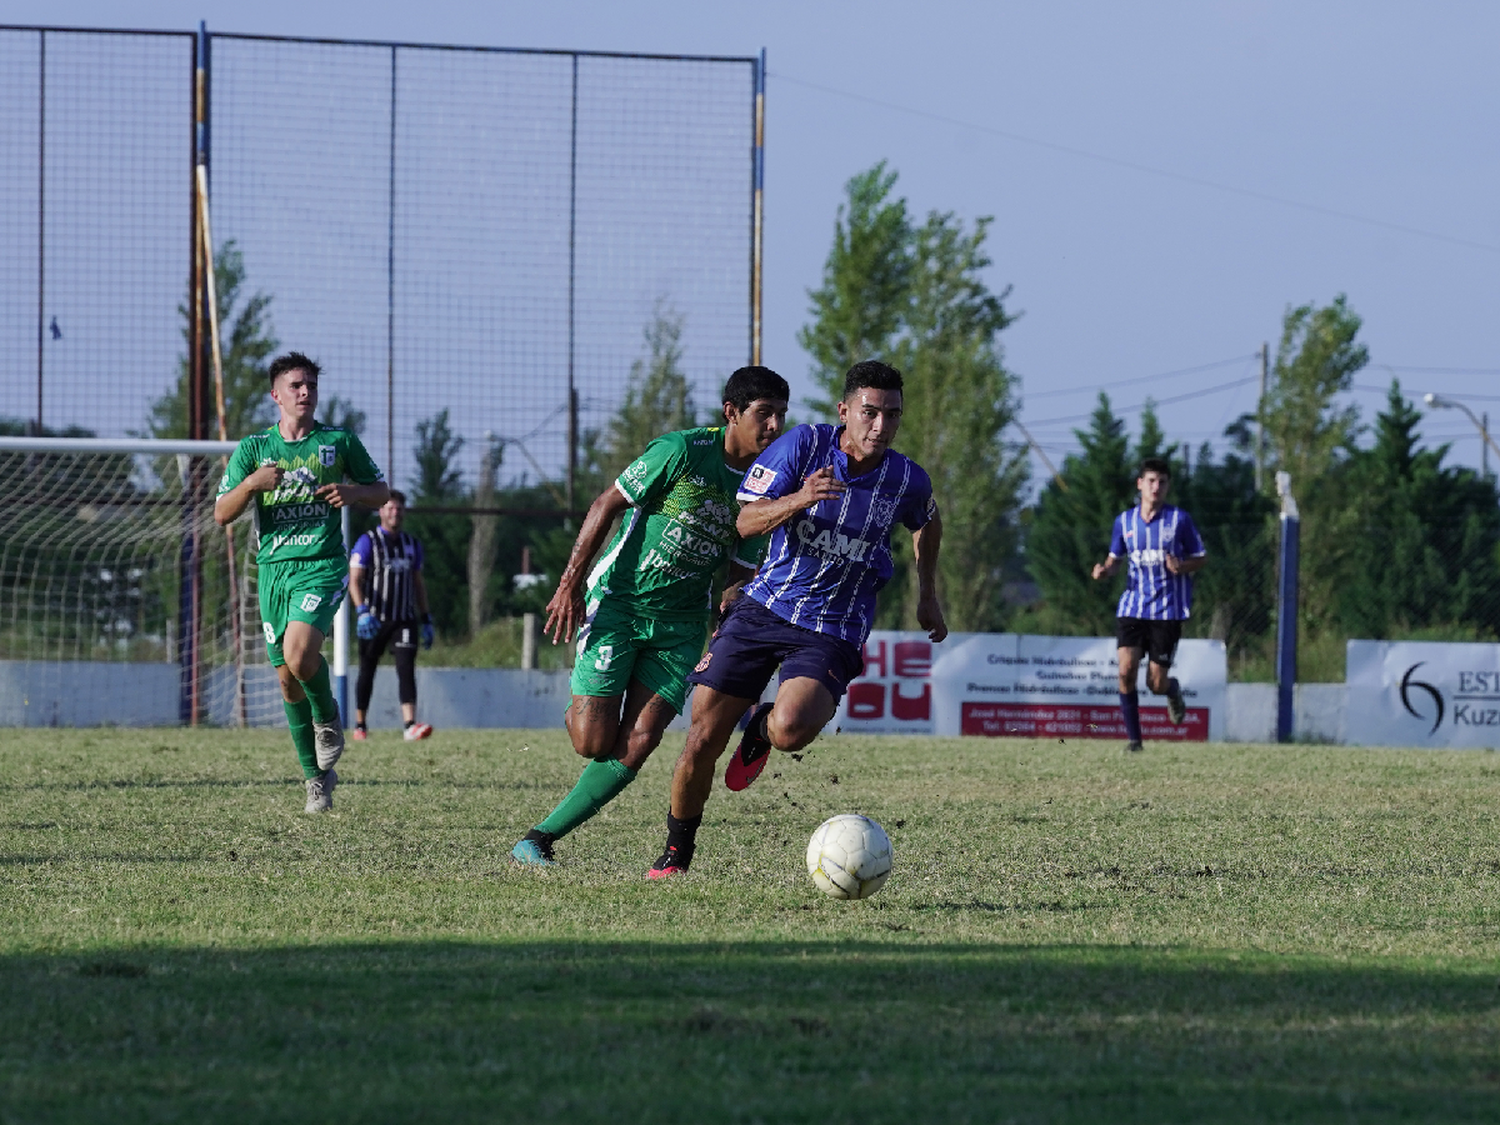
[[247, 347], [658, 398], [1310, 436], [959, 400], [867, 280], [1424, 556], [445, 536], [1070, 529], [916, 297]]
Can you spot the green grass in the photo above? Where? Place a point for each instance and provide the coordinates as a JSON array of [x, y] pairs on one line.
[[1207, 933]]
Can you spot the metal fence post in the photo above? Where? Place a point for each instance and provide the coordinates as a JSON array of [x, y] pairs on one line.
[[1286, 607]]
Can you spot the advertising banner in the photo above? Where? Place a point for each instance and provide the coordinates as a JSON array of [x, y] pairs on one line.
[[1006, 685], [1423, 693]]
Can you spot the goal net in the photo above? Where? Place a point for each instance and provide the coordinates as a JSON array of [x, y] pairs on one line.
[[122, 602]]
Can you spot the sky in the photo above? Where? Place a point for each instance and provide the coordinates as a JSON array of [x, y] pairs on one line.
[[1166, 179]]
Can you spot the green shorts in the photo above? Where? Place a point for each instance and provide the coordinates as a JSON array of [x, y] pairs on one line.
[[309, 591], [618, 644]]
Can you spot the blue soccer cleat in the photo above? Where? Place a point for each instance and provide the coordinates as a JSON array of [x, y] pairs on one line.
[[534, 850]]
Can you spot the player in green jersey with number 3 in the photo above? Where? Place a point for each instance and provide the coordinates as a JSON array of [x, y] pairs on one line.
[[298, 473], [642, 626]]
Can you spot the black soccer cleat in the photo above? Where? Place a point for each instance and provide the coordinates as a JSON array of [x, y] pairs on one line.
[[1176, 706], [1134, 746], [674, 861]]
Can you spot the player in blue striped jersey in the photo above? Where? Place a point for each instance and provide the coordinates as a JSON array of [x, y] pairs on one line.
[[1164, 551], [830, 497]]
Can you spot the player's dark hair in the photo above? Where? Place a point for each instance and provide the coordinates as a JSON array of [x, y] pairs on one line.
[[292, 361], [872, 373], [750, 383], [398, 496], [1158, 465]]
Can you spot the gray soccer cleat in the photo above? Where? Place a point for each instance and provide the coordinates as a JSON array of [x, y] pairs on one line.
[[329, 742], [320, 792], [1176, 706]]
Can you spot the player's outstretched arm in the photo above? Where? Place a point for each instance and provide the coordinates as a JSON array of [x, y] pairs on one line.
[[232, 504], [760, 517], [565, 611], [926, 543], [346, 494]]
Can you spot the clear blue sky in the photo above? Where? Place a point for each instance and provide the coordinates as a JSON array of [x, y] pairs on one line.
[[1376, 109]]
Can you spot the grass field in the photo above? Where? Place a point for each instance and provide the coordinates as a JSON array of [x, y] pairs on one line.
[[1206, 933]]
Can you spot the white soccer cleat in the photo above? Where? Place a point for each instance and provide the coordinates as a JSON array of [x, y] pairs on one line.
[[328, 741], [320, 792], [417, 731]]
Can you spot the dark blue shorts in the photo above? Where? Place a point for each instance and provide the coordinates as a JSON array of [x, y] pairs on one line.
[[752, 641]]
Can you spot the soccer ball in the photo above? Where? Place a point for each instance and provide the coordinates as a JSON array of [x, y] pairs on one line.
[[849, 856]]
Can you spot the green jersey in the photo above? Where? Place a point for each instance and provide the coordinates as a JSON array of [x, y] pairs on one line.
[[294, 524], [680, 530]]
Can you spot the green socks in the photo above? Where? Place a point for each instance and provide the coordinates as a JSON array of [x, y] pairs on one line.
[[299, 716], [599, 784], [320, 695]]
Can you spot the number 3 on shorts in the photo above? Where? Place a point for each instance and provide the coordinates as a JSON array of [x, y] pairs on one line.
[[606, 654]]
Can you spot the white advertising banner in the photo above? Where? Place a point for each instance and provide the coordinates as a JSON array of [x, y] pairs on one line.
[[1003, 684], [1423, 693]]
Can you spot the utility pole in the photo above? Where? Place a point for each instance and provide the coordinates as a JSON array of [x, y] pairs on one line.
[[1260, 421], [1484, 446]]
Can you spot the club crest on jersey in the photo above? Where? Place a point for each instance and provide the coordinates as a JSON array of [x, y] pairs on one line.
[[759, 479], [327, 454]]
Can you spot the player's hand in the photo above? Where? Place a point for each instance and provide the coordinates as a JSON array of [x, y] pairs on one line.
[[565, 613], [731, 595], [368, 625], [930, 617], [1100, 571], [429, 634], [1174, 564], [821, 485], [339, 495], [267, 478]]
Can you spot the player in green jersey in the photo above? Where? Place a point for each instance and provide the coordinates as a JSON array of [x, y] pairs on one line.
[[298, 474], [642, 625]]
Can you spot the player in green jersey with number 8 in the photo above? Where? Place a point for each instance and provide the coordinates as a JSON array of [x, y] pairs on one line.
[[642, 625], [299, 473]]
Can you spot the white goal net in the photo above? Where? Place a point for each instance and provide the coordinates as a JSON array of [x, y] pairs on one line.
[[121, 601]]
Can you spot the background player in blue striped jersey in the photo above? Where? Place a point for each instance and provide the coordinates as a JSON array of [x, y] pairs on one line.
[[386, 587], [1164, 551], [830, 496]]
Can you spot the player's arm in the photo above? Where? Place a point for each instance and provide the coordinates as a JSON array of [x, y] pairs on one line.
[[348, 493], [926, 542], [1186, 566], [232, 502], [356, 583], [1191, 555], [565, 612], [1108, 568], [761, 517]]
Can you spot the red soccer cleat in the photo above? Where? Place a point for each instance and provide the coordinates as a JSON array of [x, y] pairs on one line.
[[359, 734], [673, 861], [752, 754], [418, 731]]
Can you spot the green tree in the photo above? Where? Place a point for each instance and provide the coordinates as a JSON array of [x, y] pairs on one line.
[[658, 398], [445, 536], [916, 296], [867, 283], [247, 341], [959, 400], [1070, 528], [1424, 555], [1311, 436]]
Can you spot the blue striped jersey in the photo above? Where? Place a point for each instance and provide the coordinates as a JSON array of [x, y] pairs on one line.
[[824, 566], [1151, 591]]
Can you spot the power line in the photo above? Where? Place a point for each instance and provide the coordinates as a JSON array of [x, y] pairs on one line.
[[1154, 402], [1198, 181], [1139, 378]]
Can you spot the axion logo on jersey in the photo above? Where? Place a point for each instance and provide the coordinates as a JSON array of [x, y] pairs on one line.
[[831, 544], [286, 513], [680, 537]]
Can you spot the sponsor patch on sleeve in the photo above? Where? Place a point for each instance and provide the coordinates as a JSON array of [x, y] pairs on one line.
[[759, 479]]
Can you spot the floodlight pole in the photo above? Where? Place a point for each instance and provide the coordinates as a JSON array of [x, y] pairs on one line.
[[757, 207], [1286, 607]]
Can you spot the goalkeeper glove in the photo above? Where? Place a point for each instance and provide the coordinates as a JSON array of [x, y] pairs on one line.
[[368, 625], [429, 634]]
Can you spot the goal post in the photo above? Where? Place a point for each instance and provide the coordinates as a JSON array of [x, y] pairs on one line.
[[120, 602]]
